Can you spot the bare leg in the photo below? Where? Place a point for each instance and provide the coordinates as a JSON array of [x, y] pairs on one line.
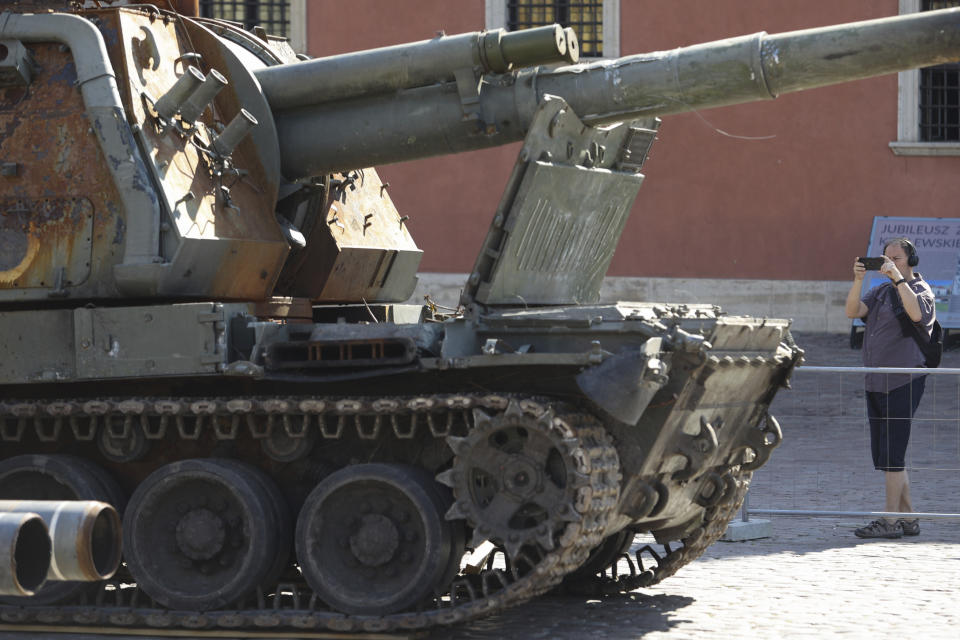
[[898, 492], [906, 505]]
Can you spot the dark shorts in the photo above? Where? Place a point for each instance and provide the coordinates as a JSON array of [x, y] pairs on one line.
[[890, 415]]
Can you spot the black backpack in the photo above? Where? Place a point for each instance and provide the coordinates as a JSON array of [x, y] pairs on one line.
[[932, 346]]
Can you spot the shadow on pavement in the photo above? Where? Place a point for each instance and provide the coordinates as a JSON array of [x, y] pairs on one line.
[[618, 617]]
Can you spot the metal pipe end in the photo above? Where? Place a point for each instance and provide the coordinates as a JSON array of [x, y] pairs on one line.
[[234, 133], [85, 536], [540, 45], [25, 542], [573, 46], [99, 541], [560, 38], [170, 102], [202, 96]]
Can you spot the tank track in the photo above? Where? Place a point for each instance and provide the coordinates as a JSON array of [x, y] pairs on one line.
[[292, 604], [649, 565]]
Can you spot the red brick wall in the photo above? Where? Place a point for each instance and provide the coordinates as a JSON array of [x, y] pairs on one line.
[[797, 203]]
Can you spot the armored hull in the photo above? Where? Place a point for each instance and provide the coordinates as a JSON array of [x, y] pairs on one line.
[[202, 325], [505, 447]]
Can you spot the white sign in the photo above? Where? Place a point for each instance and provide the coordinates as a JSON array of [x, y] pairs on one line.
[[938, 246]]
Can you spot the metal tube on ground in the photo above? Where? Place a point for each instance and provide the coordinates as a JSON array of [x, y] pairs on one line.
[[85, 534], [26, 552]]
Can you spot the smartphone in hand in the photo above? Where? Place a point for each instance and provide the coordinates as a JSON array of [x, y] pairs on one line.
[[872, 264]]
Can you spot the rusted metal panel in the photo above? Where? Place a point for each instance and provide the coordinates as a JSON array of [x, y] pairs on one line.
[[285, 309], [259, 153], [39, 238], [61, 225], [227, 242], [364, 251]]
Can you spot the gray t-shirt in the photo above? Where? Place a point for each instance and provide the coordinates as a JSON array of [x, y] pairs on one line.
[[884, 344]]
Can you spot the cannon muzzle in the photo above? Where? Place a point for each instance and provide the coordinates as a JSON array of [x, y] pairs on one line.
[[328, 136]]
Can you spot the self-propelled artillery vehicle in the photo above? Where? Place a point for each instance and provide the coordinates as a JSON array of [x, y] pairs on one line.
[[202, 322]]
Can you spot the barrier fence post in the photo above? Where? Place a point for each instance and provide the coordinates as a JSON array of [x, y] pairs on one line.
[[943, 458], [745, 528]]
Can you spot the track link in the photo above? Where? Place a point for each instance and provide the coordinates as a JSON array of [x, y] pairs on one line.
[[505, 581], [651, 564]]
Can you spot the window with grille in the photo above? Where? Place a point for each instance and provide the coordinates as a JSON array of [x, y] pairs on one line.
[[585, 16], [939, 99], [272, 15], [928, 101]]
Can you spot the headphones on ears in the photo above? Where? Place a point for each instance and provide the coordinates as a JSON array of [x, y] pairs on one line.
[[912, 258]]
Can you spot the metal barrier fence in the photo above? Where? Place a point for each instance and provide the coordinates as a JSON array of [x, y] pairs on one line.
[[824, 467]]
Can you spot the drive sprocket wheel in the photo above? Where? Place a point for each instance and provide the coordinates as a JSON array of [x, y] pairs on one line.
[[524, 473]]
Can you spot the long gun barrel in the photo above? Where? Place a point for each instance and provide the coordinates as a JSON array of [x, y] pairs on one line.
[[415, 64], [414, 123]]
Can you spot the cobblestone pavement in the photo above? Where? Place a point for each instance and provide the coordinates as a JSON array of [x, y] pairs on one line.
[[812, 578]]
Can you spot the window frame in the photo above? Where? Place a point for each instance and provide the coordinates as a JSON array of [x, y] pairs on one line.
[[298, 26], [496, 18], [297, 36], [908, 111]]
